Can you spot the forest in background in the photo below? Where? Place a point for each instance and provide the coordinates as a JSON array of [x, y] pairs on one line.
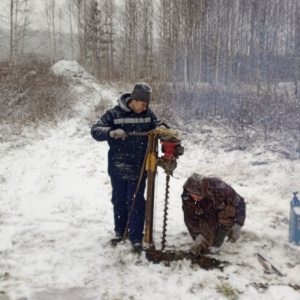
[[235, 63]]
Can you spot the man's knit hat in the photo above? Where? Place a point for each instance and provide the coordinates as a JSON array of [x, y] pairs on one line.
[[141, 92]]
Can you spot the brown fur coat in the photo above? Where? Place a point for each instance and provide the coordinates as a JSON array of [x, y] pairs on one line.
[[221, 206]]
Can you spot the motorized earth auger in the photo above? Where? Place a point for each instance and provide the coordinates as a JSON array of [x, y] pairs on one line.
[[171, 148]]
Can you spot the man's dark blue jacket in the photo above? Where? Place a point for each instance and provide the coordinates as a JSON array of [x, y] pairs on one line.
[[125, 157]]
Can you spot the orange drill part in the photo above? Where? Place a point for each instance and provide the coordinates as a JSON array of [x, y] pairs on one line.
[[169, 149]]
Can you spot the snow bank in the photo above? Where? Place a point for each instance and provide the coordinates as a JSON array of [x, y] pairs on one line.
[[70, 69]]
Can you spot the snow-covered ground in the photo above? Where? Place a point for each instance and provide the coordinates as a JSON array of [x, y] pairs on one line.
[[56, 216]]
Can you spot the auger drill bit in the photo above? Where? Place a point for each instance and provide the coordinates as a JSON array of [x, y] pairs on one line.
[[163, 243]]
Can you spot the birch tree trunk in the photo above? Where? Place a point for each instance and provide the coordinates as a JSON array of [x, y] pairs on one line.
[[12, 56]]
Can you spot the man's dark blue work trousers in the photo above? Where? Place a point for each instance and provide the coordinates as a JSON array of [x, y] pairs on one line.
[[122, 198]]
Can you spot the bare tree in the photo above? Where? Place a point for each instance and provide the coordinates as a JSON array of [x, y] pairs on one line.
[[49, 13], [79, 10], [169, 35], [69, 11], [108, 9], [19, 12], [296, 49], [147, 39], [129, 46]]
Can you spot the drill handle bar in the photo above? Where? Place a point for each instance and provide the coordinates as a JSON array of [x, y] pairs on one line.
[[162, 133]]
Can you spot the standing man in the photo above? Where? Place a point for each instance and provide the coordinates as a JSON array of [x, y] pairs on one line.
[[212, 210], [125, 158]]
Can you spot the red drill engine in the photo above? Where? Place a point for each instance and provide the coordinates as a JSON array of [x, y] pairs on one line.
[[172, 149]]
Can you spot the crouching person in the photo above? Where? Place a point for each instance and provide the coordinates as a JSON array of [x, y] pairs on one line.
[[212, 210]]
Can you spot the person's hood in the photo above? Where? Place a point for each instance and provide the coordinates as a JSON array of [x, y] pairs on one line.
[[194, 184], [123, 102]]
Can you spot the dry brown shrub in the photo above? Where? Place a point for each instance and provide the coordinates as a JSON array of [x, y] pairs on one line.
[[31, 93]]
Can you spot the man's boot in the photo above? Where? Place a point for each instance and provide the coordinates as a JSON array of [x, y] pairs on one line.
[[117, 239]]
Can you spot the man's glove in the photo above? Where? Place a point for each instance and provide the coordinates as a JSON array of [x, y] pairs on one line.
[[234, 233], [118, 134], [200, 246], [227, 215]]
